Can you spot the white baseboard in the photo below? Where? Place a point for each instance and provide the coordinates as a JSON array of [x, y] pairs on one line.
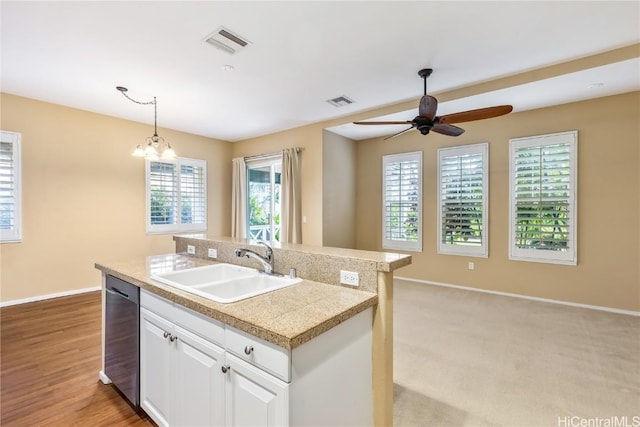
[[104, 378], [49, 296], [506, 294]]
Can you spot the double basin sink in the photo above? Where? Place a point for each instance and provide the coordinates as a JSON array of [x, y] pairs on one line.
[[224, 283]]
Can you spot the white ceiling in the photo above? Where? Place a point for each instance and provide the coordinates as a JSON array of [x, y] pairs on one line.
[[303, 53]]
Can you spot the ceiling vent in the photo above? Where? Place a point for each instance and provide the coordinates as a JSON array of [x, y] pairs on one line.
[[226, 40], [340, 101]]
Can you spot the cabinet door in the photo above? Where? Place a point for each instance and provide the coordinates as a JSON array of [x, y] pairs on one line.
[[254, 397], [155, 367], [199, 381]]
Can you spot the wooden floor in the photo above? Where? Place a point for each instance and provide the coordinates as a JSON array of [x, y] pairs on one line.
[[49, 362]]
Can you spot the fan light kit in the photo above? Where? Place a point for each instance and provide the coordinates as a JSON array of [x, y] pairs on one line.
[[427, 121], [154, 143]]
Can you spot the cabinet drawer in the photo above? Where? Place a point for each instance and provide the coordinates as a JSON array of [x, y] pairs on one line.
[[268, 356], [199, 324], [156, 304]]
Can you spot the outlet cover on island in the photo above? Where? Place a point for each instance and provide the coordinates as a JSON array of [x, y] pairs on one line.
[[212, 253], [350, 278], [191, 250]]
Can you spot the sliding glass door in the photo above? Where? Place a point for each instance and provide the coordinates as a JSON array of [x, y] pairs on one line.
[[263, 207]]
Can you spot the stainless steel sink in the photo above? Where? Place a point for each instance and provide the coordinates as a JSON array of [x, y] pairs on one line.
[[224, 283]]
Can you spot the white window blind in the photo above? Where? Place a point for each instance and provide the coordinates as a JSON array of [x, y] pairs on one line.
[[462, 200], [543, 214], [176, 196], [10, 188], [402, 201]]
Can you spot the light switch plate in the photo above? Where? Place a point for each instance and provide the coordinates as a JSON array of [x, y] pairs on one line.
[[212, 253], [191, 250]]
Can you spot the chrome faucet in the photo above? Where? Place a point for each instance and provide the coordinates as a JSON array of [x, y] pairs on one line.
[[266, 260]]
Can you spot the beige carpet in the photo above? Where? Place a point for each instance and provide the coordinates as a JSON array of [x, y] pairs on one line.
[[464, 358]]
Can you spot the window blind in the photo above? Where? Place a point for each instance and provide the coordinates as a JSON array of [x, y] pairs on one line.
[[462, 200], [192, 194], [543, 199], [164, 193], [177, 195], [10, 194], [402, 193]]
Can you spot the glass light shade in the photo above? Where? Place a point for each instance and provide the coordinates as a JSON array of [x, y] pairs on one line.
[[168, 153], [138, 152], [150, 151]]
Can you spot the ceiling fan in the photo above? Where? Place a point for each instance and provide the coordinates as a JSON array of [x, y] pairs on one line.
[[427, 121]]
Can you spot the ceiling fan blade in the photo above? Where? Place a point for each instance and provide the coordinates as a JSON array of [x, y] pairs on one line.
[[479, 114], [399, 133], [445, 129], [428, 107], [405, 122]]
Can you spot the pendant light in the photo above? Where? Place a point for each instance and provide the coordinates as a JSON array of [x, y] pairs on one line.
[[156, 147]]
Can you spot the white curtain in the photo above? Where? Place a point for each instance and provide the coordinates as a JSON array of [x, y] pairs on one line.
[[239, 199], [291, 227]]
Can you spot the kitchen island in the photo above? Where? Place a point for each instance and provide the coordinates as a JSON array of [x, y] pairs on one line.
[[299, 319]]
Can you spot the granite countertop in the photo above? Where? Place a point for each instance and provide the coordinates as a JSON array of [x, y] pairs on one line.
[[287, 317]]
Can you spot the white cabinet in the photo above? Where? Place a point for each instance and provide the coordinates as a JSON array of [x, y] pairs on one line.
[[196, 371], [198, 385], [155, 367], [254, 397], [180, 374]]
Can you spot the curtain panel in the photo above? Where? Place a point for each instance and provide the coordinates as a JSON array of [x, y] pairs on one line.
[[291, 206], [239, 199]]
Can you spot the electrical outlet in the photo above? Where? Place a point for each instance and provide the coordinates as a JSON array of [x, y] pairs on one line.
[[191, 250], [351, 278], [212, 253], [471, 266]]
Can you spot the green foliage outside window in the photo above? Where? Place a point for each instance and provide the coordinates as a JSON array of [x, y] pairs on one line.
[[161, 207]]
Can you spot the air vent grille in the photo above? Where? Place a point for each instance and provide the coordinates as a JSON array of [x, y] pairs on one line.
[[227, 41], [340, 101]]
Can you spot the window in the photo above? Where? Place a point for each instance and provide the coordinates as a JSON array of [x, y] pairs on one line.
[[10, 188], [462, 200], [176, 195], [543, 210], [402, 201], [263, 182]]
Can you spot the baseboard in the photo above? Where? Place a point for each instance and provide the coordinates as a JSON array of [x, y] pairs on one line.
[[507, 294], [103, 378], [49, 296]]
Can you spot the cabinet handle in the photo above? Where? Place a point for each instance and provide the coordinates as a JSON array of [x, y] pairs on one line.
[[166, 334], [173, 338], [248, 349], [225, 368]]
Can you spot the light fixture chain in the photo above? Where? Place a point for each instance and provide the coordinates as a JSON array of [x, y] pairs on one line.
[[155, 117], [138, 102], [154, 141]]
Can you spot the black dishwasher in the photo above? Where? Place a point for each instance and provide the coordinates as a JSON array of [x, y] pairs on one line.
[[121, 358]]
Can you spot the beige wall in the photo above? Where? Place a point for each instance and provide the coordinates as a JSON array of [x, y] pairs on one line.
[[61, 242], [84, 195], [338, 191], [607, 273]]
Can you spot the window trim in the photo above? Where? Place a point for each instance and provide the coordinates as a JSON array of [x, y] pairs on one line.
[[15, 234], [481, 251], [411, 246], [179, 227], [569, 257]]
